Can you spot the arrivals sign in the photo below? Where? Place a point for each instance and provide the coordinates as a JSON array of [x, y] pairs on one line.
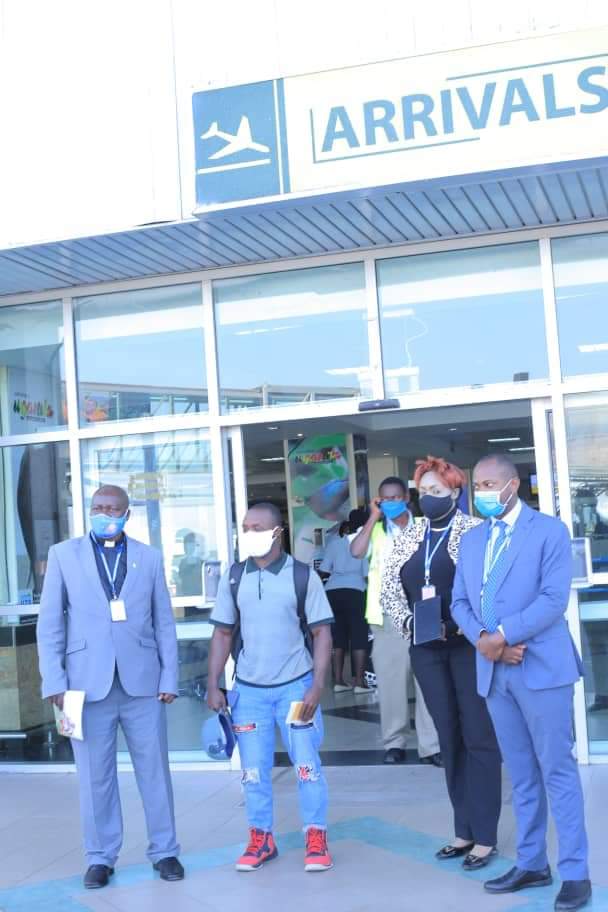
[[490, 108]]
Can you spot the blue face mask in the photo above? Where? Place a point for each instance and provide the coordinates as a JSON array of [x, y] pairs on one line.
[[107, 526], [393, 508], [489, 504]]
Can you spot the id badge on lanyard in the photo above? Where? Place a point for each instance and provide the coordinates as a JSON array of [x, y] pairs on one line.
[[428, 590], [118, 608]]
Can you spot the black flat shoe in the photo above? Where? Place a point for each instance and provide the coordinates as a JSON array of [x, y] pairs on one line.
[[518, 879], [450, 851], [169, 869], [433, 760], [97, 876], [394, 755], [574, 894], [475, 862]]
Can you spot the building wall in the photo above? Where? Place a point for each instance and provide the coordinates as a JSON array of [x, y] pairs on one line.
[[91, 93]]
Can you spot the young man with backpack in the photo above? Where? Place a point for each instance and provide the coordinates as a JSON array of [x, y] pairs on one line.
[[273, 613]]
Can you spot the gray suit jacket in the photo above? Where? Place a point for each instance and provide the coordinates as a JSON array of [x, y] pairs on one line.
[[79, 646]]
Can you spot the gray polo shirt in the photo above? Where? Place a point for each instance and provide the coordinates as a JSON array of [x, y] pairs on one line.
[[347, 572], [274, 651]]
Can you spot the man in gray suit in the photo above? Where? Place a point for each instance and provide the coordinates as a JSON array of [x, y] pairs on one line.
[[106, 627]]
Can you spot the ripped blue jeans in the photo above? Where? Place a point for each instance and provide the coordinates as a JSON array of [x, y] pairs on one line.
[[257, 711]]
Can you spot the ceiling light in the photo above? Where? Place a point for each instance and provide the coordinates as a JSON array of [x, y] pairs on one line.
[[453, 429], [299, 435], [273, 427], [521, 449], [596, 347], [272, 459], [386, 454], [504, 439]]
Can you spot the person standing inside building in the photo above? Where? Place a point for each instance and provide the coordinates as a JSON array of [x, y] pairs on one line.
[[345, 588], [510, 597], [388, 520], [420, 570], [275, 603], [106, 627]]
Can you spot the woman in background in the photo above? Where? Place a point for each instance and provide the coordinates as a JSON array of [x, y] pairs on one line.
[[345, 587]]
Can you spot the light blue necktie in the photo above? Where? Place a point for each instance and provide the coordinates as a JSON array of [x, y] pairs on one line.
[[488, 615]]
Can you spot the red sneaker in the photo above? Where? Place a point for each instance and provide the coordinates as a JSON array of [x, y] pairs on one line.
[[261, 849], [317, 854]]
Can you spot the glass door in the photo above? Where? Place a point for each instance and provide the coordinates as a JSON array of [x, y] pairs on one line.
[[586, 446]]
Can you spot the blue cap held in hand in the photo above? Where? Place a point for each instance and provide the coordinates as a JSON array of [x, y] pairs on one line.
[[217, 736]]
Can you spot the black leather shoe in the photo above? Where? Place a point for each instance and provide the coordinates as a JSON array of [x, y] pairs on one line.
[[169, 869], [97, 876], [573, 895], [517, 879], [433, 760], [475, 862], [450, 851], [394, 755]]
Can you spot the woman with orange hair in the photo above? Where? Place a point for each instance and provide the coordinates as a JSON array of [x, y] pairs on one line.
[[422, 566]]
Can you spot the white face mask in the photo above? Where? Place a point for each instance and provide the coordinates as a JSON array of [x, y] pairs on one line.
[[258, 544]]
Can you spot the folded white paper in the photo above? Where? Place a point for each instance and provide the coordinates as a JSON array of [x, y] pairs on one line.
[[69, 719]]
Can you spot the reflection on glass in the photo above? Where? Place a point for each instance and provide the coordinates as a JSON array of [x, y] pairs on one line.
[[36, 510], [580, 267], [36, 513], [593, 609], [447, 318], [24, 716], [140, 353], [169, 481], [587, 436], [32, 376], [186, 715], [293, 336]]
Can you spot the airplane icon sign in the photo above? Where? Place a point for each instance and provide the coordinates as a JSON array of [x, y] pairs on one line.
[[241, 141], [239, 152]]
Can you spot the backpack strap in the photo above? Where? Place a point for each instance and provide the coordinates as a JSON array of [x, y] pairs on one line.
[[301, 577], [236, 575]]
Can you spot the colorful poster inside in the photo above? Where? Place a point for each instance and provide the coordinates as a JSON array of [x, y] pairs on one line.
[[319, 479]]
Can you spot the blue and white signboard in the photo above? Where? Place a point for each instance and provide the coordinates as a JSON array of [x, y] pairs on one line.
[[519, 103], [238, 133]]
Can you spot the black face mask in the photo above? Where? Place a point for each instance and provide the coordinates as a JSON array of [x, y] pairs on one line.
[[436, 507]]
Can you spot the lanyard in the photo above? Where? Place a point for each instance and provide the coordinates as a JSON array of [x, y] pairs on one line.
[[428, 558], [491, 561], [111, 576]]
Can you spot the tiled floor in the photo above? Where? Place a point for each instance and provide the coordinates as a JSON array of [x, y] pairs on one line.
[[385, 826]]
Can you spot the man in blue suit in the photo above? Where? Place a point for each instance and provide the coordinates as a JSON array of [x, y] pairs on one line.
[[106, 627], [510, 596]]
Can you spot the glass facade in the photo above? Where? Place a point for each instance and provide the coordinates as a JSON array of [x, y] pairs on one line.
[[140, 354], [580, 266], [36, 501], [293, 339], [32, 370], [168, 477], [447, 318], [295, 336], [587, 442]]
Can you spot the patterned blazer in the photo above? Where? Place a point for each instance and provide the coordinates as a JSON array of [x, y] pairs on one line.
[[392, 596]]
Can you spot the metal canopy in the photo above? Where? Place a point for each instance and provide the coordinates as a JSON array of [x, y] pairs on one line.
[[541, 196]]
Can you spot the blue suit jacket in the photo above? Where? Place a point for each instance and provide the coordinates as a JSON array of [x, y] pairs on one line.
[[79, 646], [531, 600]]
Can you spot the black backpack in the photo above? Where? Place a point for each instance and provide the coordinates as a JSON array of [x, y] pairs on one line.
[[301, 576]]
